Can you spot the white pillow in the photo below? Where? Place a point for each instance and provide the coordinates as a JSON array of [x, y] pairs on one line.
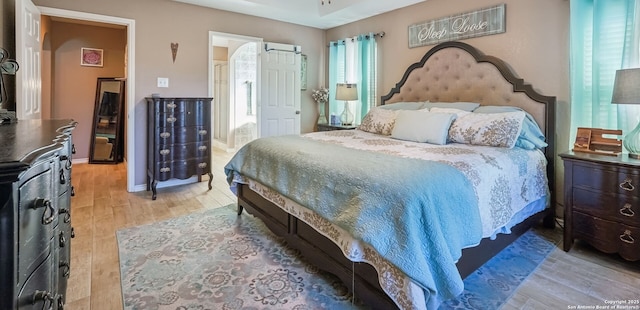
[[422, 126], [379, 121], [495, 129]]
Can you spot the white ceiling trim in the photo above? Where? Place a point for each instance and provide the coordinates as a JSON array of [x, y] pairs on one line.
[[310, 13]]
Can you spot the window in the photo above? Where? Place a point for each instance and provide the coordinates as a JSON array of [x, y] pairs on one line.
[[354, 60]]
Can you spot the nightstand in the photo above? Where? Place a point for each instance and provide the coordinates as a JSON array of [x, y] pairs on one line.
[[328, 127], [602, 202]]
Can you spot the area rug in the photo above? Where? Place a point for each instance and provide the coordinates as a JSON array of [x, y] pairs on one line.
[[217, 260]]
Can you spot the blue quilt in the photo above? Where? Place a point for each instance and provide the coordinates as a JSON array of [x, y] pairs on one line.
[[416, 214]]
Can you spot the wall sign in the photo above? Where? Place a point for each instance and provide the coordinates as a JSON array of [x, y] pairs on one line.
[[478, 23]]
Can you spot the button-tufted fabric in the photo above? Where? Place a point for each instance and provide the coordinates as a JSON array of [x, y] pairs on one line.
[[454, 75]]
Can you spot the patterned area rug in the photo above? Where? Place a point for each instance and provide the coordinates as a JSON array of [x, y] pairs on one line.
[[217, 260]]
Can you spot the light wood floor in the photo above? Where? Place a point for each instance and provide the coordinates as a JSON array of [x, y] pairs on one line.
[[582, 277]]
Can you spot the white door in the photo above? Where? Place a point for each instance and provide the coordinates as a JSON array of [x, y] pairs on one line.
[[280, 90], [28, 77]]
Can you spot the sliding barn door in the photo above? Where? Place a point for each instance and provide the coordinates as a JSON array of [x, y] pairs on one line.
[[280, 90]]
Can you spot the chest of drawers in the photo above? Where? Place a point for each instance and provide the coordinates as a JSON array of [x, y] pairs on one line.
[[178, 140], [35, 213], [602, 203]]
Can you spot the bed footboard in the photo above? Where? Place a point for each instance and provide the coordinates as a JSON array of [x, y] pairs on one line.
[[361, 278]]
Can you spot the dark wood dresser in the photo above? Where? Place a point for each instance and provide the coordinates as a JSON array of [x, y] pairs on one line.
[[35, 213], [178, 140], [602, 202]]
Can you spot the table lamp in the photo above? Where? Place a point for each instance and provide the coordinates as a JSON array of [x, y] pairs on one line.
[[346, 92], [626, 90]]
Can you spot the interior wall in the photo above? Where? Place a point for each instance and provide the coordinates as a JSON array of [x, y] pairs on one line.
[[161, 22], [535, 45], [73, 85]]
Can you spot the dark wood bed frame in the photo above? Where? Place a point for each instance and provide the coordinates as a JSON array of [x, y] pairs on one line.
[[324, 254]]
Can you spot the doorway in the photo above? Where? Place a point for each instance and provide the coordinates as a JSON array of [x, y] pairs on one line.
[[234, 76], [129, 24]]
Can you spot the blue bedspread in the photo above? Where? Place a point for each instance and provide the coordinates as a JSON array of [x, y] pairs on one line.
[[416, 214]]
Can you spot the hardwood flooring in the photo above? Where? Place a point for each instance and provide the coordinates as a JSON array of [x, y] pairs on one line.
[[101, 206]]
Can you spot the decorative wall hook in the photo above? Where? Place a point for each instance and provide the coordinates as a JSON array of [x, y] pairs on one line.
[[174, 51]]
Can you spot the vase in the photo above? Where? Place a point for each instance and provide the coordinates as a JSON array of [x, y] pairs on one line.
[[346, 117], [322, 118]]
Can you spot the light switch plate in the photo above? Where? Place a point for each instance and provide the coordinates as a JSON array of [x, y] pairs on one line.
[[163, 82]]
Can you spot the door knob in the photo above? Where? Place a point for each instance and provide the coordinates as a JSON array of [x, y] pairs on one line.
[[297, 112]]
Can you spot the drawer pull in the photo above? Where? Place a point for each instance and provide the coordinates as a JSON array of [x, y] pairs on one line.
[[165, 169], [202, 148], [63, 179], [626, 237], [202, 165], [44, 296], [67, 269], [171, 119], [202, 132], [171, 105], [165, 152], [626, 210], [165, 135], [626, 185], [67, 214], [62, 241], [48, 208]]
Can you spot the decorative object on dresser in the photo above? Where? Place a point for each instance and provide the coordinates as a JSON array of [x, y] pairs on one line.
[[10, 67], [328, 127], [626, 90], [592, 140], [35, 212], [601, 199], [346, 92], [178, 140]]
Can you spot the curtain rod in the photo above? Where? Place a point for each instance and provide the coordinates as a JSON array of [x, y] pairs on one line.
[[379, 34]]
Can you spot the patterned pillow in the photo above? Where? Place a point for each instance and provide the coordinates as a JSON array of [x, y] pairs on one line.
[[379, 121], [496, 129]]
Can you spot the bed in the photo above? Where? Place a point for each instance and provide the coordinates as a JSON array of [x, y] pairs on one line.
[[332, 213]]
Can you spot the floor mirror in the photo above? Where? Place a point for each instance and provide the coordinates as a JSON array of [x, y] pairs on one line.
[[107, 137]]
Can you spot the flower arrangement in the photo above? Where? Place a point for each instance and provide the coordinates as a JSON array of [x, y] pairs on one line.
[[320, 95]]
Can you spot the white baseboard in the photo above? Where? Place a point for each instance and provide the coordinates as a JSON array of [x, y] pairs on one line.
[[169, 183]]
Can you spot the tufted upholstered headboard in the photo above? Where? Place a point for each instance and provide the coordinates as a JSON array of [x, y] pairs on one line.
[[458, 72]]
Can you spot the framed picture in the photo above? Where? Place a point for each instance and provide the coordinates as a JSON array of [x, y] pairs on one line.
[[91, 57], [303, 72]]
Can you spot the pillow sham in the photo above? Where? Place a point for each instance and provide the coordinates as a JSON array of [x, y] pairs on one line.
[[422, 126], [457, 112], [531, 136], [378, 121], [403, 106], [466, 106], [490, 129]]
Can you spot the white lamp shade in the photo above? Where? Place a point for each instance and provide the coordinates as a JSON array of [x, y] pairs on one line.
[[626, 87], [345, 91]]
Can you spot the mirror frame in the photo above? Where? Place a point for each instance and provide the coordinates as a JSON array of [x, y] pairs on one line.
[[117, 141]]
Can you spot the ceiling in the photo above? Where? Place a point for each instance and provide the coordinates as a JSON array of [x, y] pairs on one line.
[[310, 13]]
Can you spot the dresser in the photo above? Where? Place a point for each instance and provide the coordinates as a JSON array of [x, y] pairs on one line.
[[602, 202], [178, 140], [35, 213]]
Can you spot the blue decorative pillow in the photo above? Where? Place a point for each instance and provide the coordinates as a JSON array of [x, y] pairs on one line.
[[403, 106], [466, 106], [422, 126], [531, 137]]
